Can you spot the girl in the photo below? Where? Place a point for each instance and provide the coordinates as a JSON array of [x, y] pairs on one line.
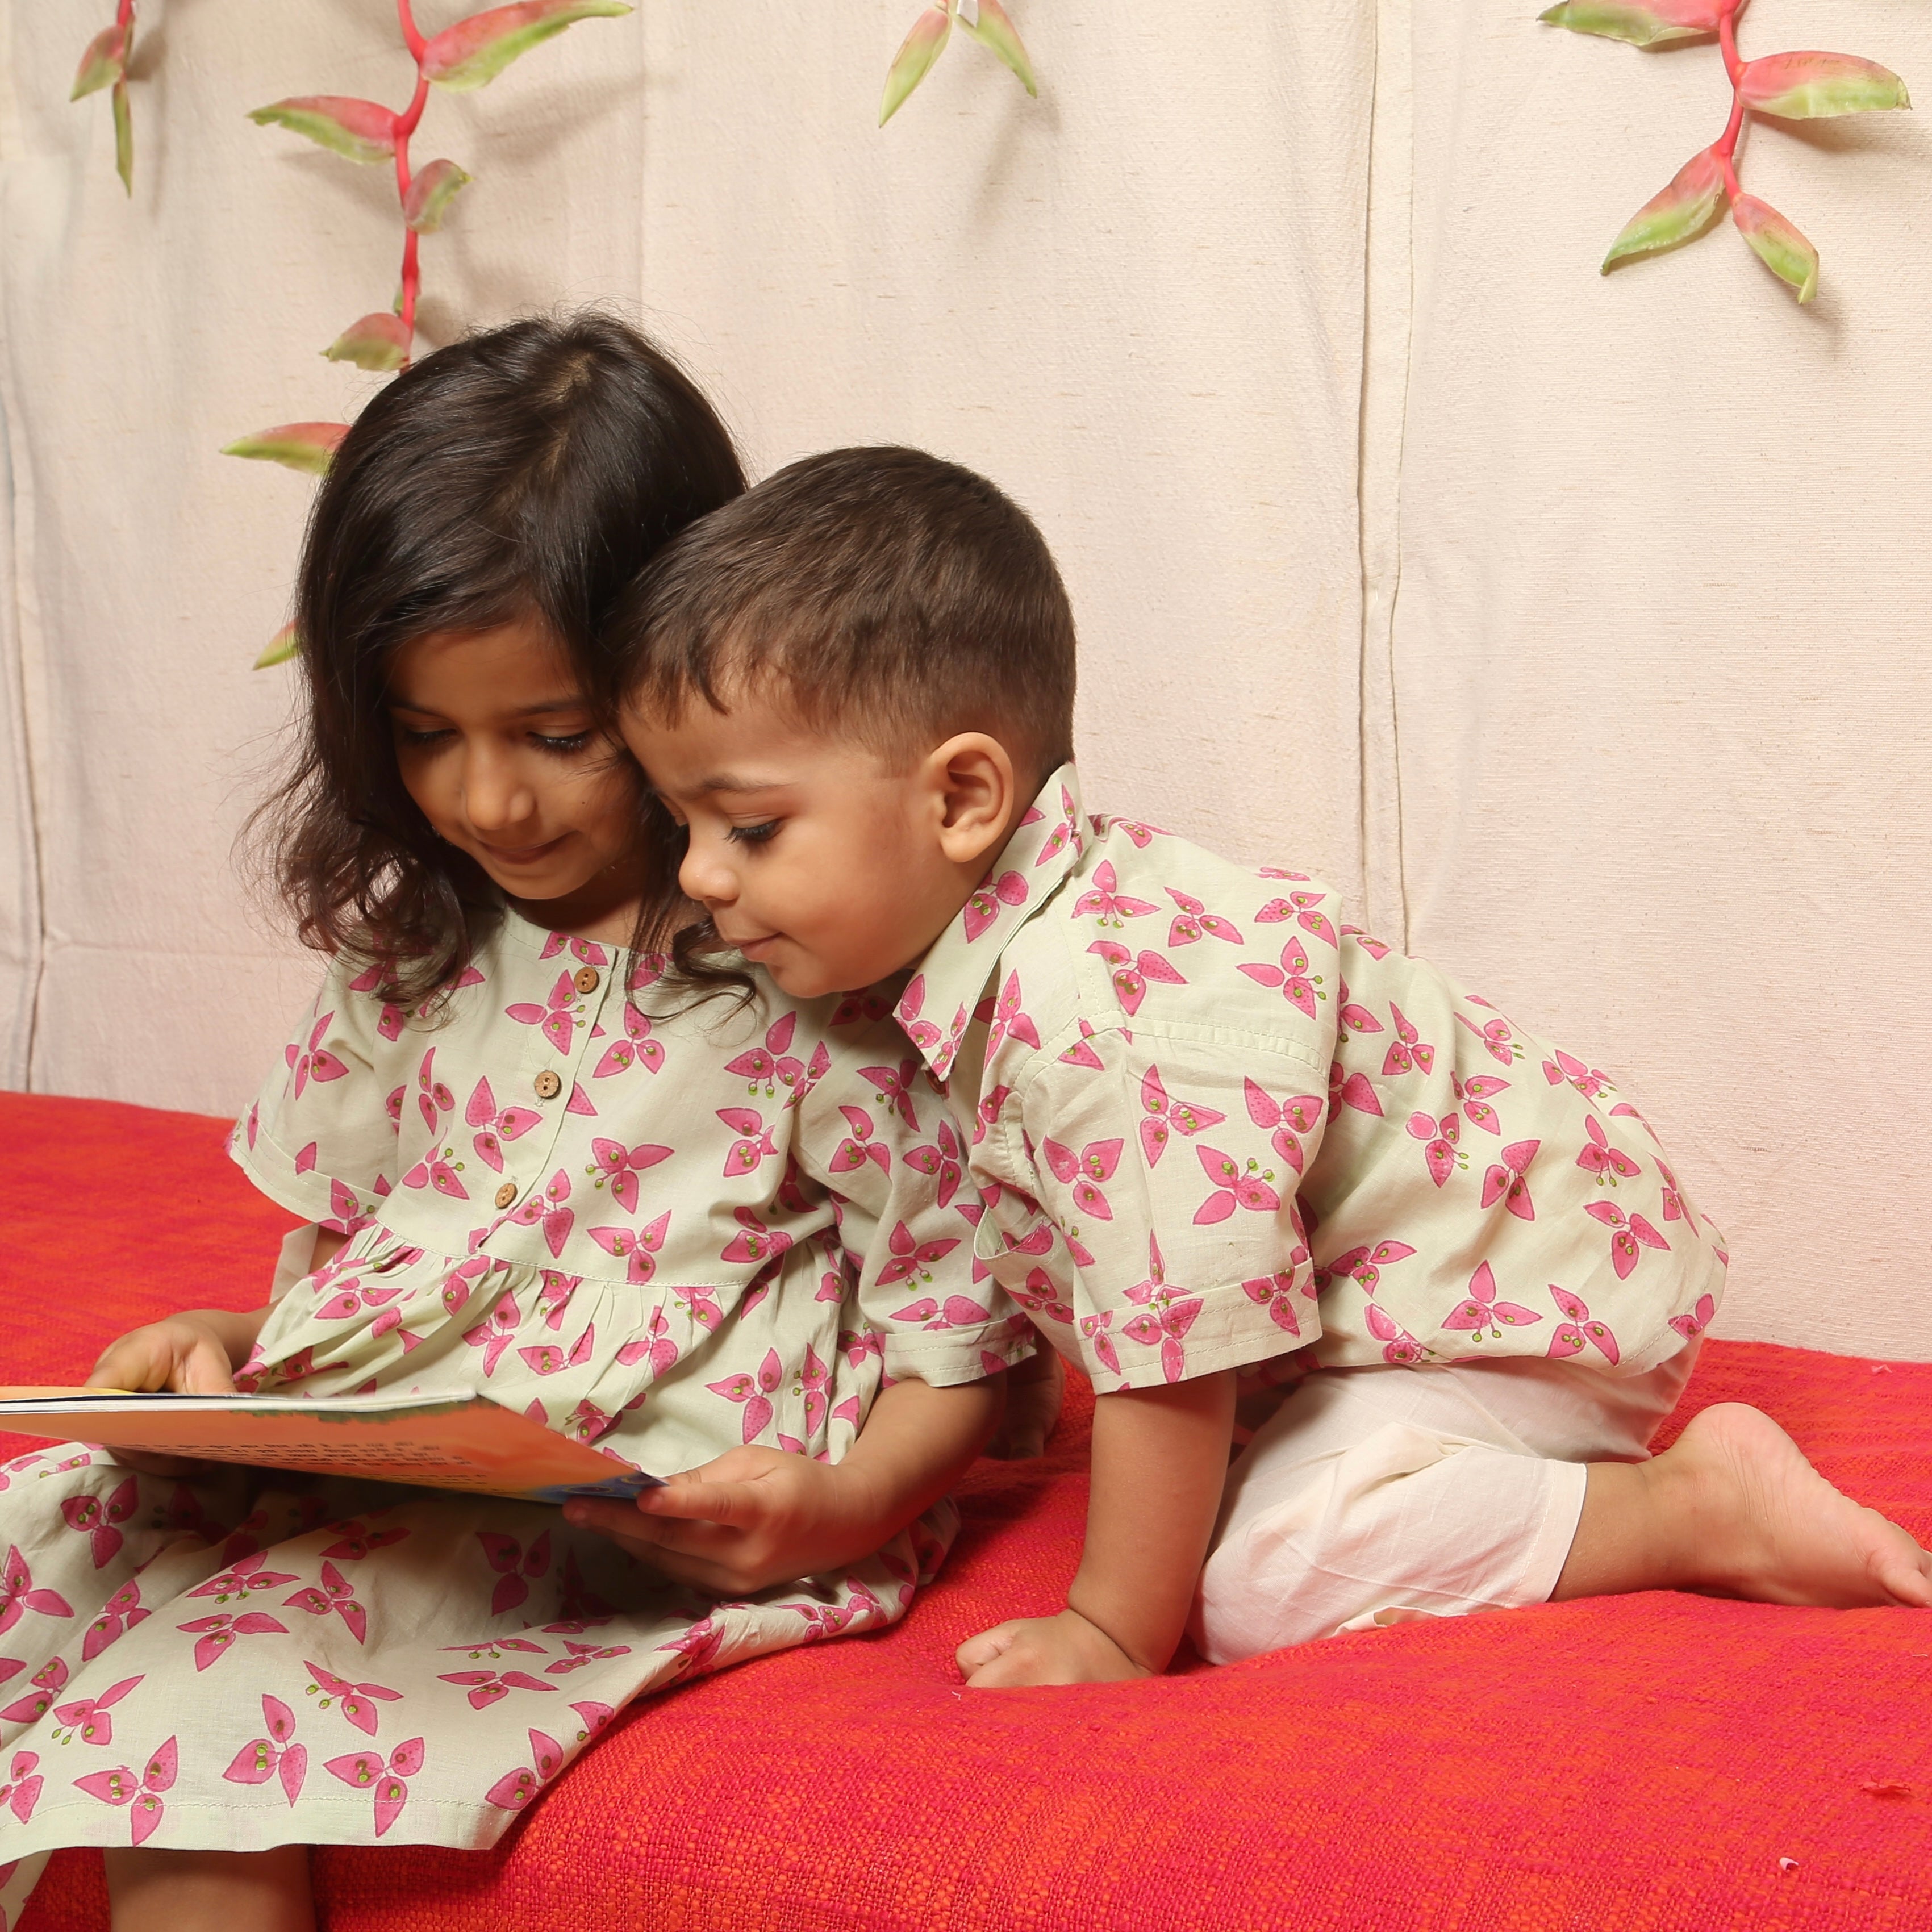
[[710, 1237]]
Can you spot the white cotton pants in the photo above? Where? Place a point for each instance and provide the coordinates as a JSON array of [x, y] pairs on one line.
[[1374, 1496]]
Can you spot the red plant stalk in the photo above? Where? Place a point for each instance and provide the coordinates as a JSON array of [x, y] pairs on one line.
[[405, 125]]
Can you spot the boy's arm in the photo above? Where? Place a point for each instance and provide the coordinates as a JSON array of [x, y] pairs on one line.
[[1160, 1460], [757, 1516]]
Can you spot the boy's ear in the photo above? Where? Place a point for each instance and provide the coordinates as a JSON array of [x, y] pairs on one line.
[[972, 779]]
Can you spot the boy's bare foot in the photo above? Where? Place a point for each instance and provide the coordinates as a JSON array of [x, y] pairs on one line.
[[1733, 1508]]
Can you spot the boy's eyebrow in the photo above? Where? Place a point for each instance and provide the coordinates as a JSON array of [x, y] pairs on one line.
[[731, 782]]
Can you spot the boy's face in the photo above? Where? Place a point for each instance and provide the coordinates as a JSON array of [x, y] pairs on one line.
[[814, 857]]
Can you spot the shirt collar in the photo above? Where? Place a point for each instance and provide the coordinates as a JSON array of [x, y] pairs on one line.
[[937, 1003]]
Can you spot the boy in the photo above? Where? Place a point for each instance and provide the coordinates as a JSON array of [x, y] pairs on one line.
[[1208, 1129]]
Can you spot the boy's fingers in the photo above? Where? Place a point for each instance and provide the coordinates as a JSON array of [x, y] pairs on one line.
[[977, 1652]]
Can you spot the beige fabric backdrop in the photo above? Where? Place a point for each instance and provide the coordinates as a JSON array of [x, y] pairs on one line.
[[1567, 624]]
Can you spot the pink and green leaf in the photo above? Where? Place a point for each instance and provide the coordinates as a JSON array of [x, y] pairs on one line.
[[1644, 23], [1682, 211], [992, 26], [431, 191], [913, 61], [473, 53], [1777, 244], [306, 446], [378, 342], [123, 135], [281, 647], [359, 130], [104, 62], [1808, 86]]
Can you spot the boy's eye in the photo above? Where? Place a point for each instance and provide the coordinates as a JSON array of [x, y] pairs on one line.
[[753, 834]]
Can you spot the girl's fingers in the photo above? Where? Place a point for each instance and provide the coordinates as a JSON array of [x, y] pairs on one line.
[[207, 1370], [736, 1505]]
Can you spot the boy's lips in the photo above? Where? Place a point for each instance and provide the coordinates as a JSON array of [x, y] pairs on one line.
[[751, 948]]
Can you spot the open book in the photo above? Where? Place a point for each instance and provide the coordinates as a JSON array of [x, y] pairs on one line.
[[445, 1442]]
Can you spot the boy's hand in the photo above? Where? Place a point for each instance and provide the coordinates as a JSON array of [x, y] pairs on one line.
[[183, 1353], [753, 1518], [1065, 1649]]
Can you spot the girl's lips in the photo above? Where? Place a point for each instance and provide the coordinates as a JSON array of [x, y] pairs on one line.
[[522, 855]]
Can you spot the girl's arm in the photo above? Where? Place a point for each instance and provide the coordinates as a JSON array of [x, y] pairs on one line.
[[1160, 1459], [756, 1516]]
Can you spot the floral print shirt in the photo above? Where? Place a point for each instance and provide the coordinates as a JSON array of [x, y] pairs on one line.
[[1211, 1125]]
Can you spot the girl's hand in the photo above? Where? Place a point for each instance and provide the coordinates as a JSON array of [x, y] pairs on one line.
[[753, 1518], [1065, 1649], [189, 1353]]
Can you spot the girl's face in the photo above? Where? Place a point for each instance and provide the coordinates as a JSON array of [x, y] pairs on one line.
[[497, 746]]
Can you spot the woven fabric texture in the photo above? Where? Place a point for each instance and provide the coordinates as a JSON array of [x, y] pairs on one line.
[[1654, 1763]]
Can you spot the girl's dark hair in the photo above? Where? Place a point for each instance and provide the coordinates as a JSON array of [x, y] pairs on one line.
[[528, 471]]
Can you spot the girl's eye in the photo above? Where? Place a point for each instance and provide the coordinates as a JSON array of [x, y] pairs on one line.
[[754, 835], [562, 747], [412, 737]]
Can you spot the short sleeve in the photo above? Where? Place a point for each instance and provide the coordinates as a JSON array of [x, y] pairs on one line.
[[883, 1142], [1168, 1163], [320, 1138]]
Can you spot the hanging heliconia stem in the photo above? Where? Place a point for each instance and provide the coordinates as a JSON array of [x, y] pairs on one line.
[[461, 58], [105, 64], [1788, 87], [986, 20]]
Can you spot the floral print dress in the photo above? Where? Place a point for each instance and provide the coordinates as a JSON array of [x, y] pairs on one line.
[[667, 1229]]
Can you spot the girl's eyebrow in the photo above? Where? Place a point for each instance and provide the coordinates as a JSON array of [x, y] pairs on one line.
[[547, 706]]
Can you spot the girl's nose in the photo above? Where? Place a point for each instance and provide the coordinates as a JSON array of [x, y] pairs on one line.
[[495, 798]]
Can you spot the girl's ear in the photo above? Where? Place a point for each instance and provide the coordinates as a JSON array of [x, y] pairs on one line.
[[971, 777]]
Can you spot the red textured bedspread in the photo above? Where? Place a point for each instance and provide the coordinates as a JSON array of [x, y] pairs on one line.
[[1650, 1762]]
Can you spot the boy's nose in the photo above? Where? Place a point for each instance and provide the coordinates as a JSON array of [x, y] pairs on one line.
[[705, 878]]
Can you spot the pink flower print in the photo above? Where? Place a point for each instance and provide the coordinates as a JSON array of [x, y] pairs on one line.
[[1140, 835], [556, 1018], [1483, 1312], [773, 1065], [585, 952], [99, 1522], [91, 1719], [1698, 1320], [1132, 973], [619, 1167], [48, 1682], [754, 1394], [334, 1593], [1362, 1265], [1275, 1292], [1106, 903], [1080, 1053], [215, 1636], [1167, 1314], [1284, 1121], [1165, 1116], [983, 908], [276, 1756], [1233, 1186], [1508, 1181], [17, 1594], [856, 1008], [488, 1688], [1351, 1090], [1065, 833], [1374, 948], [515, 1789], [245, 1575], [1624, 1107], [314, 1061], [583, 1654], [1498, 1041], [923, 1033], [22, 1791], [352, 1296], [812, 1385], [1403, 1349], [1589, 1081], [1571, 1335], [1008, 1020], [438, 1170], [654, 1345], [637, 1047], [1084, 1172], [1291, 976], [432, 1097], [1356, 1018], [1608, 1164], [548, 1358], [496, 1331], [895, 1087], [119, 1615], [460, 1282], [753, 1146], [941, 1160], [1194, 921], [754, 1241], [856, 1344], [1440, 1152], [355, 1542], [638, 1247], [957, 1311], [1040, 1297], [393, 1104], [1629, 1235], [1302, 908], [1673, 1199], [496, 1124], [1475, 1093], [1410, 1051], [912, 1257], [547, 1211], [554, 1293], [859, 1147], [1094, 1332], [142, 1795], [368, 1772], [516, 1566]]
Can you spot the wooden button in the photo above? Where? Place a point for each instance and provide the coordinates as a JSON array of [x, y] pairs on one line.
[[506, 1194], [547, 1085], [587, 978]]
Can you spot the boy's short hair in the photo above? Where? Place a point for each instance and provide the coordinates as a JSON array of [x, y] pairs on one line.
[[891, 596]]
